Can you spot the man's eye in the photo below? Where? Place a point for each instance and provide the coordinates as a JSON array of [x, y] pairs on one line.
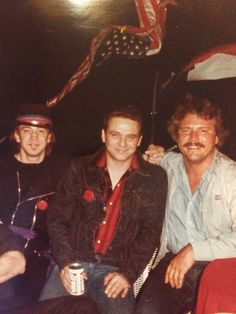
[[42, 131], [132, 137], [185, 130]]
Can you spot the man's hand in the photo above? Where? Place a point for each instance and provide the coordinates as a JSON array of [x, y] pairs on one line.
[[12, 263], [116, 285], [154, 154], [65, 278], [179, 266]]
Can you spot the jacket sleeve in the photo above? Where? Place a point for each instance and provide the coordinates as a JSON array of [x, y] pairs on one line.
[[152, 211], [60, 216], [220, 220]]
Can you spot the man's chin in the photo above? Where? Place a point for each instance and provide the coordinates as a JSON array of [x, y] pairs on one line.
[[120, 157], [34, 153], [193, 155]]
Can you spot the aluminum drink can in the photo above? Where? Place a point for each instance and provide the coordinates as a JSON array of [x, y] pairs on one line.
[[76, 278]]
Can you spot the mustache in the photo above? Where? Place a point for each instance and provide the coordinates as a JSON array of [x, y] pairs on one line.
[[196, 144]]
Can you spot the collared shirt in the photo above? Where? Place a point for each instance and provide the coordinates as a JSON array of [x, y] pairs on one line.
[[112, 198], [185, 221], [218, 208]]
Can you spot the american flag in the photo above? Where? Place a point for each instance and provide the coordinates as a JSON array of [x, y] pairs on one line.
[[123, 41]]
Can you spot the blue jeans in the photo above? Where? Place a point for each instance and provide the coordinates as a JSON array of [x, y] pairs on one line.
[[94, 286]]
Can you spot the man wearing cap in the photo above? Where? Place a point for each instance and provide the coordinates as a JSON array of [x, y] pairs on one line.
[[28, 179]]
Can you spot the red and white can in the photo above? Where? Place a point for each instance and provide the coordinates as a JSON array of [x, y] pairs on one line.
[[76, 278]]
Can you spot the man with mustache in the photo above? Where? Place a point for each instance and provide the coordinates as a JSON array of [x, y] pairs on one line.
[[200, 222]]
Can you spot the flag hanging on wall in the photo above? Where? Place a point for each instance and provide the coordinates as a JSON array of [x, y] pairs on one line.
[[123, 41]]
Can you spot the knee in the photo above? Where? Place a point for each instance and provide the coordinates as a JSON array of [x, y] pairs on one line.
[[147, 301], [146, 306]]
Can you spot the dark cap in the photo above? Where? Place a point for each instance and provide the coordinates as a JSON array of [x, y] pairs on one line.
[[34, 114]]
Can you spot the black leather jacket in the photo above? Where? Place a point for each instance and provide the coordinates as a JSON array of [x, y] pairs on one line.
[[73, 221]]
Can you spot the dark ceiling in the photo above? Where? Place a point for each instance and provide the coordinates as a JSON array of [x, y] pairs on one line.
[[42, 42]]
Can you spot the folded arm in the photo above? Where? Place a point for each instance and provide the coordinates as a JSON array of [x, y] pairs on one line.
[[12, 263]]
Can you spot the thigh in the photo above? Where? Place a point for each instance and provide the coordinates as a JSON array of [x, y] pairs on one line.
[[24, 289], [34, 278], [97, 291], [61, 305], [153, 291], [156, 297], [53, 287]]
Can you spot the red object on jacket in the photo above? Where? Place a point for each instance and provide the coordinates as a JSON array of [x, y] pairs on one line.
[[217, 290]]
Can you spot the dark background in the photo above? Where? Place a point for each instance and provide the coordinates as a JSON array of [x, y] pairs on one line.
[[42, 42]]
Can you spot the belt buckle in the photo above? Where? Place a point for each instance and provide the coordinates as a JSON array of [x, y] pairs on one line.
[[98, 258]]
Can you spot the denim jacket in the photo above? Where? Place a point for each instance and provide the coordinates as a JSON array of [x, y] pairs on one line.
[[218, 209], [77, 212]]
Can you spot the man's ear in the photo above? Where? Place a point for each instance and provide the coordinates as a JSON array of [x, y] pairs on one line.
[[140, 140], [103, 136], [49, 138], [16, 136]]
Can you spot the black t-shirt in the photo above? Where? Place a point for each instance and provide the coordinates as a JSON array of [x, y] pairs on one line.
[[26, 192]]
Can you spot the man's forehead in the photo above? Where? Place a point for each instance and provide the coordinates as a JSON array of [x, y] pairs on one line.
[[191, 118], [119, 121]]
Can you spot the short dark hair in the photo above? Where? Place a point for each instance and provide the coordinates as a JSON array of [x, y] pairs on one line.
[[129, 112], [203, 108]]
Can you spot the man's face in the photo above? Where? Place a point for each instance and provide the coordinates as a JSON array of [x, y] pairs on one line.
[[197, 138], [122, 137], [33, 141]]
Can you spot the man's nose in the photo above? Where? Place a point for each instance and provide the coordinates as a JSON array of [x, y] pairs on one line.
[[194, 135], [34, 135], [122, 141]]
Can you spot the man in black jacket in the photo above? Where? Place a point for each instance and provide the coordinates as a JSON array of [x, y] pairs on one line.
[[28, 179], [107, 215]]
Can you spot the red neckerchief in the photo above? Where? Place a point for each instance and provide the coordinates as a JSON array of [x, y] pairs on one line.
[[112, 198]]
